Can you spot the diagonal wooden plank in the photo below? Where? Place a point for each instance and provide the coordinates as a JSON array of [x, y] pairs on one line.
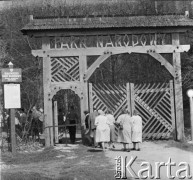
[[113, 99], [163, 62], [153, 129], [105, 99], [95, 65], [165, 111], [116, 96], [147, 95], [157, 97], [154, 112]]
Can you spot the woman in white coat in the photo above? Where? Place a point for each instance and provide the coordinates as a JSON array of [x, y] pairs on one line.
[[124, 136], [102, 129], [111, 119], [136, 130]]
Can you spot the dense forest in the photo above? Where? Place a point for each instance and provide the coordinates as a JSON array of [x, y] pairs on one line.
[[16, 47]]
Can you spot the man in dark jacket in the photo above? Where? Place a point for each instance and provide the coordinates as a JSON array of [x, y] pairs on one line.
[[86, 113], [92, 126], [72, 118]]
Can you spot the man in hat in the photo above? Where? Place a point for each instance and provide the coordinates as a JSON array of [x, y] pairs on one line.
[[72, 120]]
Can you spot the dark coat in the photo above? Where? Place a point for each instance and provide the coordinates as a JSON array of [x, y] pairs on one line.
[[91, 121]]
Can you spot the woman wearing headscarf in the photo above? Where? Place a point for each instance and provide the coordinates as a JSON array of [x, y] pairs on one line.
[[102, 129], [136, 130], [124, 136]]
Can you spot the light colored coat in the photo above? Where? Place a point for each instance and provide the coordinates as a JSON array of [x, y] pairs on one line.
[[111, 119], [136, 128], [102, 129], [91, 120], [124, 136]]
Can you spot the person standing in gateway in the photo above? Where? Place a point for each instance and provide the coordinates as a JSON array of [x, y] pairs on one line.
[[72, 118], [92, 127], [136, 130], [102, 129], [125, 123]]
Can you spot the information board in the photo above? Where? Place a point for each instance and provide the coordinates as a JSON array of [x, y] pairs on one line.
[[11, 75], [12, 97]]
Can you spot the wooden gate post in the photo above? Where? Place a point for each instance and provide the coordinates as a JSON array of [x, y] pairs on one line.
[[13, 137], [84, 85], [55, 121], [130, 98], [90, 98], [178, 89], [172, 109], [47, 98]]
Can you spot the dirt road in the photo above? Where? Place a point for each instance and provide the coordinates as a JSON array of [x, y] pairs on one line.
[[155, 153], [78, 162]]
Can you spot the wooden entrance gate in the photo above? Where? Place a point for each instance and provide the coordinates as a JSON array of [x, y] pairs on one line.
[[154, 102], [67, 43]]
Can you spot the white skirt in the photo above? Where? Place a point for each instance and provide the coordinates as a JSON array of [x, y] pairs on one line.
[[102, 135]]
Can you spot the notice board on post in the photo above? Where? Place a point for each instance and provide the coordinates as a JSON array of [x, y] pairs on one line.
[[11, 75], [12, 96]]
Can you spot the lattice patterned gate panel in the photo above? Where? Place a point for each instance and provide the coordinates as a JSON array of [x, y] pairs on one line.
[[154, 102], [65, 69], [107, 96]]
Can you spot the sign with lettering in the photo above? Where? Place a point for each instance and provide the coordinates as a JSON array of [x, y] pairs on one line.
[[11, 75], [12, 97], [117, 40]]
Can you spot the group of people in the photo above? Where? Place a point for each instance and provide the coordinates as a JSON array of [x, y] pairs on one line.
[[101, 127], [25, 124], [20, 119]]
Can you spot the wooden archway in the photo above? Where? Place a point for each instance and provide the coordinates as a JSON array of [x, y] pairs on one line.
[[65, 51]]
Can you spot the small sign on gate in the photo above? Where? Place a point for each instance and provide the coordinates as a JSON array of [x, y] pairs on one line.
[[11, 75]]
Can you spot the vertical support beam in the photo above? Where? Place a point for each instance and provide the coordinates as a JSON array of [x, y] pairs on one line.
[[84, 85], [172, 109], [90, 98], [47, 100], [66, 101], [191, 116], [132, 97], [178, 90], [128, 97], [84, 93], [13, 138], [56, 121]]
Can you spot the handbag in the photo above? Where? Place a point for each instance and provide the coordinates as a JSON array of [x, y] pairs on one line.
[[121, 127]]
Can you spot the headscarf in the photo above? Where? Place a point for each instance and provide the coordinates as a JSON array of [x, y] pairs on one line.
[[101, 112]]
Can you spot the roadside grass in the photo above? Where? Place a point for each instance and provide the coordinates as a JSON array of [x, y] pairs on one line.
[[82, 163]]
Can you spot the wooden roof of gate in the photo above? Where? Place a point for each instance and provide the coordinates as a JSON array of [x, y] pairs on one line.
[[72, 23]]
